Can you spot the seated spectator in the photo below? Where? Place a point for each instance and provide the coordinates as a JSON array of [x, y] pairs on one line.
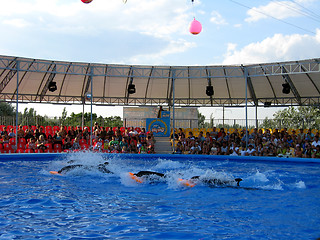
[[110, 133], [57, 139], [28, 133], [201, 138], [78, 132], [309, 135], [234, 150], [86, 134], [114, 143], [224, 149], [195, 148], [4, 131], [143, 148], [143, 133], [31, 144], [251, 151], [307, 153], [11, 133], [132, 148], [124, 149], [76, 144], [20, 132], [215, 150], [297, 151], [150, 144], [206, 148], [71, 133], [133, 132], [316, 142], [41, 142], [178, 148], [103, 133], [98, 145], [67, 144], [106, 145], [117, 136], [316, 153], [42, 133]]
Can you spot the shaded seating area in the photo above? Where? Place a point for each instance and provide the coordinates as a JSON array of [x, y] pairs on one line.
[[57, 139]]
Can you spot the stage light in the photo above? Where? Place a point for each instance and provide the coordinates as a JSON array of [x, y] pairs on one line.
[[131, 88], [52, 86], [209, 91], [267, 104], [285, 88]]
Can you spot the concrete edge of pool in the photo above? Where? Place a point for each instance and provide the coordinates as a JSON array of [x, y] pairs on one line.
[[55, 156]]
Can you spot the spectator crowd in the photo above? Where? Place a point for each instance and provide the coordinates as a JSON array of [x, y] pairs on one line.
[[58, 139], [303, 143]]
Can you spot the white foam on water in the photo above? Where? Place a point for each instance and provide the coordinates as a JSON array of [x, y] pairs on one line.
[[300, 185], [258, 177], [168, 164]]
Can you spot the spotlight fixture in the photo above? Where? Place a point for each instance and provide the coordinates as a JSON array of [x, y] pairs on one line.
[[52, 86], [131, 88], [209, 91], [286, 88], [267, 104]]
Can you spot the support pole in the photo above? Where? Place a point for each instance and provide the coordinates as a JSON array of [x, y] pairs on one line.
[[82, 117], [246, 77], [17, 105], [91, 79], [223, 116], [257, 124], [173, 110]]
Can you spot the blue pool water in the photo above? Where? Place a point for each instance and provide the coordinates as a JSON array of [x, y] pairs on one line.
[[277, 200]]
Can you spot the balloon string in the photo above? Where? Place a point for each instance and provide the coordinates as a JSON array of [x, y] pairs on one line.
[[193, 12]]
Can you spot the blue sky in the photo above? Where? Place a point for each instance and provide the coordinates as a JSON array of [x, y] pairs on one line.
[[156, 32]]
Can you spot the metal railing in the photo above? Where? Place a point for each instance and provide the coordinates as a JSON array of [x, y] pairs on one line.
[[313, 123]]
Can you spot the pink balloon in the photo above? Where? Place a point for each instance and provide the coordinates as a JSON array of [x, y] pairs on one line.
[[195, 27]]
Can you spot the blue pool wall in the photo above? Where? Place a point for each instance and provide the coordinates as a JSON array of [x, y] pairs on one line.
[[60, 156]]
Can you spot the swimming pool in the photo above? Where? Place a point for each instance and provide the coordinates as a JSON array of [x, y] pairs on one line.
[[276, 200]]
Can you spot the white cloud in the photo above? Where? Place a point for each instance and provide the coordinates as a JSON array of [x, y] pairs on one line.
[[16, 22], [276, 9], [156, 18], [277, 48], [217, 19], [175, 46], [162, 21]]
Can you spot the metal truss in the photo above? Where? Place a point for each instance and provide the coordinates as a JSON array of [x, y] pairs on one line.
[[309, 69]]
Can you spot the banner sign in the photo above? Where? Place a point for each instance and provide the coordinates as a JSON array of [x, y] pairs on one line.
[[159, 126], [165, 114]]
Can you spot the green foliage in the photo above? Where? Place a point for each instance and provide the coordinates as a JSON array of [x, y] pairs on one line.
[[6, 109], [201, 120], [295, 117], [76, 119]]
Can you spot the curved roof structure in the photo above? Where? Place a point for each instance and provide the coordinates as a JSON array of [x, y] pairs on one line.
[[159, 85]]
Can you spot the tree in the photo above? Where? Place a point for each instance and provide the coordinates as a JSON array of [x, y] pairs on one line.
[[64, 115], [295, 117], [201, 120], [6, 109]]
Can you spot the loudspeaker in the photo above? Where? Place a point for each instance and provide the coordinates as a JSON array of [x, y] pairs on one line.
[[286, 88], [131, 88], [52, 86], [267, 104], [209, 91]]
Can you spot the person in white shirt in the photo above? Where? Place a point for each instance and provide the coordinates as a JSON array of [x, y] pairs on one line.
[[251, 151], [316, 142]]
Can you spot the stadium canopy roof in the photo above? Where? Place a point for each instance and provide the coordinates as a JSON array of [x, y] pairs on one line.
[[154, 84]]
